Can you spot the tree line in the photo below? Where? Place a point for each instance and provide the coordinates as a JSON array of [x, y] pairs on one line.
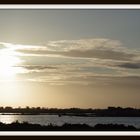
[[110, 111]]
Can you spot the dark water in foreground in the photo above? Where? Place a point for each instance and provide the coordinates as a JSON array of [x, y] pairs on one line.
[[55, 119]]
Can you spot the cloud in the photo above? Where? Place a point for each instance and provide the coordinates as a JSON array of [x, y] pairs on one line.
[[86, 48], [36, 67], [95, 53], [85, 61], [130, 65], [89, 80], [2, 46], [83, 44]]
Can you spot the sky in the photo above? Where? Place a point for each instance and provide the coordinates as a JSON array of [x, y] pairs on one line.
[[70, 58]]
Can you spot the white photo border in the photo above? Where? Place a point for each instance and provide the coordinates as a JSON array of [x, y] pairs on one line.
[[70, 6]]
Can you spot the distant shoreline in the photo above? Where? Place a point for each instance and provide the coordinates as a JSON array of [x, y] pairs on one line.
[[108, 112]]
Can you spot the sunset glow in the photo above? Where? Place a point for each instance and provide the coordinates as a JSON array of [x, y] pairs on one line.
[[70, 58]]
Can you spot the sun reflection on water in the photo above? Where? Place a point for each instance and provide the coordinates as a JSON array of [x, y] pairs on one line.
[[8, 118]]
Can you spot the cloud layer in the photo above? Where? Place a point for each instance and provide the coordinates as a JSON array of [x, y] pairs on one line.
[[77, 61]]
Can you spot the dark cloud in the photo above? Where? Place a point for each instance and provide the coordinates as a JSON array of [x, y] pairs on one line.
[[36, 67], [130, 65], [93, 53], [102, 54]]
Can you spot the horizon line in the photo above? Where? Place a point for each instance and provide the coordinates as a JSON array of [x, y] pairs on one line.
[[41, 107]]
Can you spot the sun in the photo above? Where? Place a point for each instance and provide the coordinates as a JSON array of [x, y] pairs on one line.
[[7, 65], [9, 90]]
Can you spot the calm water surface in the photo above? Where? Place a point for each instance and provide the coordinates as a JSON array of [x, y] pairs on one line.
[[55, 119]]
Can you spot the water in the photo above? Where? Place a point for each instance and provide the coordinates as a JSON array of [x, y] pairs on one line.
[[55, 119]]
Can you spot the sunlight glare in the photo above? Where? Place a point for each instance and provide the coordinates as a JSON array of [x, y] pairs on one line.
[[8, 62]]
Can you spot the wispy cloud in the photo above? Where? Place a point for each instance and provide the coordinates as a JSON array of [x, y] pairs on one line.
[[36, 67], [87, 48]]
